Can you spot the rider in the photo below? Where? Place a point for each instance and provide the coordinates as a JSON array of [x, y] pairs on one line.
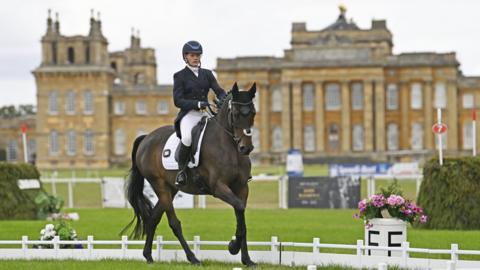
[[190, 89]]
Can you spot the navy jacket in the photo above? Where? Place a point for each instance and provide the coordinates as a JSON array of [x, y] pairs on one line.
[[188, 90]]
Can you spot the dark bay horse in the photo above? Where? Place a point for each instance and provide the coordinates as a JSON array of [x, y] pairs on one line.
[[224, 169]]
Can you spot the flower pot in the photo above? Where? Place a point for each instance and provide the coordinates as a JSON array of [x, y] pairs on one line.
[[390, 232]]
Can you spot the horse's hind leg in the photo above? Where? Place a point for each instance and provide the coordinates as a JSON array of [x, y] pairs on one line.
[[176, 227], [150, 227]]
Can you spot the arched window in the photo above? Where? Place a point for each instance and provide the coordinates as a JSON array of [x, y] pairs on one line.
[[119, 142], [333, 136], [89, 143], [113, 65], [277, 142], [392, 137], [440, 95], [308, 97], [276, 99], [416, 96], [139, 79], [70, 55], [392, 97], [417, 136], [53, 102], [357, 96], [332, 97], [309, 138], [88, 102], [357, 134], [70, 102], [12, 150], [162, 107], [87, 55]]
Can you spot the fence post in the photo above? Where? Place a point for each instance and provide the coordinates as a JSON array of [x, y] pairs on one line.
[[196, 245], [90, 246], [70, 193], [24, 245], [405, 254], [454, 256], [359, 247], [202, 201], [56, 246], [316, 245], [53, 176], [124, 246], [451, 265], [274, 244], [382, 266], [159, 247]]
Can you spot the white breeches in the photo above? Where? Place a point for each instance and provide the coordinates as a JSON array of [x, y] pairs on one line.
[[187, 123]]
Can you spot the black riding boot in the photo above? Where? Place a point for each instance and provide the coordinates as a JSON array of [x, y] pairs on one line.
[[183, 159]]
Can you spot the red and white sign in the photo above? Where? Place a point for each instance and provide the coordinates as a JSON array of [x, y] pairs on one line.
[[439, 128], [23, 127]]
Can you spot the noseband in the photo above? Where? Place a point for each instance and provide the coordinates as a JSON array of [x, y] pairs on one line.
[[230, 125]]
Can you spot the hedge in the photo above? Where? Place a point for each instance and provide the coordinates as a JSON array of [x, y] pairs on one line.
[[14, 202], [450, 194]]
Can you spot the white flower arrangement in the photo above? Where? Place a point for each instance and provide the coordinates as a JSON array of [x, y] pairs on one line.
[[48, 233]]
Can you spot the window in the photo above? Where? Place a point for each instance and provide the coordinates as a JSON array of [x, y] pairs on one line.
[[308, 97], [119, 148], [71, 142], [141, 107], [256, 139], [392, 97], [357, 142], [309, 139], [392, 137], [139, 79], [32, 146], [277, 143], [416, 96], [333, 136], [88, 99], [53, 102], [119, 108], [468, 101], [162, 107], [12, 150], [88, 143], [53, 143], [443, 137], [357, 96], [113, 65], [332, 96], [276, 99], [70, 102], [440, 95], [467, 135], [87, 55], [417, 136], [70, 55]]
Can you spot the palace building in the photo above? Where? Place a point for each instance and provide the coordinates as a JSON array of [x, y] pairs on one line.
[[338, 93]]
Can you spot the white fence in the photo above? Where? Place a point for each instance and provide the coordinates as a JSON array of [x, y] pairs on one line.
[[278, 253]]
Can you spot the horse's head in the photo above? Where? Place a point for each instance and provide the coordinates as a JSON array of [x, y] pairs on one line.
[[242, 113]]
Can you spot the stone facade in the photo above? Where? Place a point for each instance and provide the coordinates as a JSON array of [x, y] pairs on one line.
[[337, 93]]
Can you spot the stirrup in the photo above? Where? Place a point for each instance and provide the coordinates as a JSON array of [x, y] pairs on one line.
[[181, 179]]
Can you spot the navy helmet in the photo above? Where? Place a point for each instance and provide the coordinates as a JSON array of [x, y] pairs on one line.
[[192, 47]]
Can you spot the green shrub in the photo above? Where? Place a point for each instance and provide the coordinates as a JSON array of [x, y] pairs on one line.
[[14, 202], [450, 194]]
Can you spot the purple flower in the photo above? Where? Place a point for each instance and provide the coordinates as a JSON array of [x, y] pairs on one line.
[[377, 200], [356, 215], [423, 219], [362, 205], [395, 200]]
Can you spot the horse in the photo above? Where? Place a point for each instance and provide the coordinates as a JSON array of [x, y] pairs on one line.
[[224, 170]]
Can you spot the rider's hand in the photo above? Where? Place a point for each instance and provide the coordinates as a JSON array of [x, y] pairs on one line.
[[202, 105]]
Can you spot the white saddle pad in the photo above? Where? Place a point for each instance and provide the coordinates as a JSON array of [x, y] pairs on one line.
[[168, 154]]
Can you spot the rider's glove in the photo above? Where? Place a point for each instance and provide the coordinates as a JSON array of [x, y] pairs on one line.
[[202, 105]]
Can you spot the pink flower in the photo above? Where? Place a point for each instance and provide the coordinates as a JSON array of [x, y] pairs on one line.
[[362, 205], [377, 200], [356, 215], [395, 200], [423, 219]]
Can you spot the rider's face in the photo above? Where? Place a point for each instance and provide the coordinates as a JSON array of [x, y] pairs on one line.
[[193, 59]]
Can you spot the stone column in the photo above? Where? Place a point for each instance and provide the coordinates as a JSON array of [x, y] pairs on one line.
[[263, 94], [405, 107], [452, 116], [297, 100], [368, 116], [428, 116], [380, 130], [286, 115], [319, 117], [346, 126]]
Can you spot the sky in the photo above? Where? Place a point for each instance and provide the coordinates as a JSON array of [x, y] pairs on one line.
[[226, 29]]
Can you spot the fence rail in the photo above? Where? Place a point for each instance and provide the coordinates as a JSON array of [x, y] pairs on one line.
[[276, 255]]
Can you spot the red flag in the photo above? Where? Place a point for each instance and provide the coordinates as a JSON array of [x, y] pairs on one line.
[[24, 128], [474, 115]]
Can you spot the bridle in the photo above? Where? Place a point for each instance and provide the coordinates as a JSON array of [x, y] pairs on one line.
[[230, 123]]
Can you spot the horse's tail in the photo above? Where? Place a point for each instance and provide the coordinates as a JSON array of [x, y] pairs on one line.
[[140, 204]]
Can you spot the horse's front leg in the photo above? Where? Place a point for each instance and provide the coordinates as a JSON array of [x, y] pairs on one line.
[[224, 193]]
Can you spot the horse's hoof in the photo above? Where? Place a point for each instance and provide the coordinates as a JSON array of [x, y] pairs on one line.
[[148, 258], [149, 261], [195, 261], [233, 247], [249, 264]]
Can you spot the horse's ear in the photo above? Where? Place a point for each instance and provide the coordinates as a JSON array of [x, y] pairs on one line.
[[235, 89], [253, 90]]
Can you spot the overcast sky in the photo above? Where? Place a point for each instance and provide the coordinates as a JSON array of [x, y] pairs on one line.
[[226, 29]]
